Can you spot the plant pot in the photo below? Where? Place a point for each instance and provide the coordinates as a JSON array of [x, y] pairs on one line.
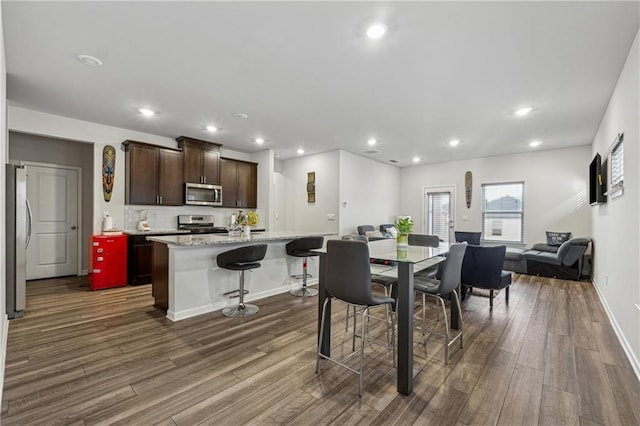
[[403, 240], [247, 231]]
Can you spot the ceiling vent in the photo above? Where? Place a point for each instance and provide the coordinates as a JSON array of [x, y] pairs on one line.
[[393, 161], [372, 151]]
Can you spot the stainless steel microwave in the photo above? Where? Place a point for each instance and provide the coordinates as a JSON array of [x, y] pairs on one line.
[[201, 194]]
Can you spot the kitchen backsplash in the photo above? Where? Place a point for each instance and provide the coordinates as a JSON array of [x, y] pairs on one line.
[[166, 217]]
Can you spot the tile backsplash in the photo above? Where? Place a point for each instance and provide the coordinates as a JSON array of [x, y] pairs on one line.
[[166, 217]]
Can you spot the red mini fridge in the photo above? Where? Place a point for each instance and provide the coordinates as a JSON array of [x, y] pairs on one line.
[[107, 261]]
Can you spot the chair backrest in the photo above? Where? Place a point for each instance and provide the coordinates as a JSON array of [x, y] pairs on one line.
[[246, 254], [304, 244], [482, 266], [576, 247], [385, 226], [355, 237], [363, 229], [452, 268], [424, 240], [468, 237], [348, 273]]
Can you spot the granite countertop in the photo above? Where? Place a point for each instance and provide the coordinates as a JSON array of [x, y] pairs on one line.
[[199, 240], [155, 232]]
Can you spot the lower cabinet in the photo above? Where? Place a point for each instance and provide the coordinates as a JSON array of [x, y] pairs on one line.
[[140, 264]]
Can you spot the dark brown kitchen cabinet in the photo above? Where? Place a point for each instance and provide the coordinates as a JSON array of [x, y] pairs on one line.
[[153, 174], [239, 180], [140, 262], [201, 160]]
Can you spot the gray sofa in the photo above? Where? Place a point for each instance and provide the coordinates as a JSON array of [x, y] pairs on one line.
[[565, 261]]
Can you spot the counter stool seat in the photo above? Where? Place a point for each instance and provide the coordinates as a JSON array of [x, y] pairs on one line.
[[302, 247], [241, 259]]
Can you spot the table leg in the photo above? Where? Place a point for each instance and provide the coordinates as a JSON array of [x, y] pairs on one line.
[[322, 295], [404, 312]]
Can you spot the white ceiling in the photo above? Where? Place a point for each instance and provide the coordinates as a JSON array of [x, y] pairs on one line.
[[308, 77]]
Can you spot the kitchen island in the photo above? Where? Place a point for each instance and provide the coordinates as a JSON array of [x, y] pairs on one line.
[[188, 282]]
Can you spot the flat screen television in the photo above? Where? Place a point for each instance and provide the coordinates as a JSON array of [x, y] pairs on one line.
[[597, 181]]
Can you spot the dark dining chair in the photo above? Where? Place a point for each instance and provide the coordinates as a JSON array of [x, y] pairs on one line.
[[482, 268], [348, 278], [468, 237], [439, 289]]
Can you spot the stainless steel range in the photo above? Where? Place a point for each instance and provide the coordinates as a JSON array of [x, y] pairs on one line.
[[203, 224]]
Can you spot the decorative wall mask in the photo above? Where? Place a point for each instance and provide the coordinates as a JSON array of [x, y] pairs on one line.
[[311, 187]]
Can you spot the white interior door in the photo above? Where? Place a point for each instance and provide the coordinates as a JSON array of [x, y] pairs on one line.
[[53, 195], [439, 212]]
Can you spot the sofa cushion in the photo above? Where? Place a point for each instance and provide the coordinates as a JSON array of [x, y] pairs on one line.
[[547, 257], [513, 254], [557, 238], [545, 247]]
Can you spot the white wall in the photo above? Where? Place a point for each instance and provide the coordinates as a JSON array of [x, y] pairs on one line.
[[4, 151], [371, 192], [616, 224], [265, 160], [303, 216], [555, 189]]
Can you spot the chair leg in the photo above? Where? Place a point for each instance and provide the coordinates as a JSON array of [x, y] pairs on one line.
[[490, 299], [506, 294], [446, 331], [324, 311], [457, 299], [365, 312], [353, 343], [393, 339]]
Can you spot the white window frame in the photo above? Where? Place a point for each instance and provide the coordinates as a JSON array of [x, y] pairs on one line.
[[510, 212], [616, 167]]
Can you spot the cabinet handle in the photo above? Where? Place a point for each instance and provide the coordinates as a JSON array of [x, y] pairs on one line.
[[204, 179], [161, 199]]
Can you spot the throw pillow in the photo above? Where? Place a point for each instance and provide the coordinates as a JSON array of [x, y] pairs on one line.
[[373, 234], [557, 238], [392, 231]]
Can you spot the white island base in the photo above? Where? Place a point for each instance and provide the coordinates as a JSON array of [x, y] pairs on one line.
[[187, 281]]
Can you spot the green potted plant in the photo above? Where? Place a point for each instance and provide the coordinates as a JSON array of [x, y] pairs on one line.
[[404, 226]]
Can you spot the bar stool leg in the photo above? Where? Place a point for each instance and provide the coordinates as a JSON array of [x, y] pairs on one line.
[[241, 309], [304, 291]]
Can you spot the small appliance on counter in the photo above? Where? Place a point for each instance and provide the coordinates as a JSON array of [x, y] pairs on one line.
[[143, 224]]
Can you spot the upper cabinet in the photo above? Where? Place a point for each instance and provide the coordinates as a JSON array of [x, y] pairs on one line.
[[153, 174], [201, 160], [239, 180]]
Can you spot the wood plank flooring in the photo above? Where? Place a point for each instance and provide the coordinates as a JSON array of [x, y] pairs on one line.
[[96, 358]]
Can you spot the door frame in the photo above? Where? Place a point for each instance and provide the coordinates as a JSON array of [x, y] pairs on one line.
[[440, 188], [79, 269]]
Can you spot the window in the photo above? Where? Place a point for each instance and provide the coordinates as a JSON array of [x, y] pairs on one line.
[[617, 168], [502, 211]]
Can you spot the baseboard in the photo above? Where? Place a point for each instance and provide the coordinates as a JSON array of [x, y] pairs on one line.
[[3, 351], [623, 340]]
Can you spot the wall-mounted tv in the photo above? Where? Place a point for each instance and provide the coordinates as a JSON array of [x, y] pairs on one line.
[[597, 181]]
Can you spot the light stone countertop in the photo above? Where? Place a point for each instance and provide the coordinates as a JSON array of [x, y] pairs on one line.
[[156, 232], [199, 240]]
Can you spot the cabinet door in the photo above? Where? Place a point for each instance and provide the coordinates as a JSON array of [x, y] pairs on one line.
[[211, 167], [247, 185], [170, 175], [143, 175], [140, 261], [192, 164], [229, 182]]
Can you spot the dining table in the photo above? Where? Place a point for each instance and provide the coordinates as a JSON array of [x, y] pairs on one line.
[[404, 262]]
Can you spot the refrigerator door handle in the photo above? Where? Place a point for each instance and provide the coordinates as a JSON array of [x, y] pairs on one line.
[[26, 244]]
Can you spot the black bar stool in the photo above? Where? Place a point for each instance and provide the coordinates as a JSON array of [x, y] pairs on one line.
[[241, 259], [302, 248]]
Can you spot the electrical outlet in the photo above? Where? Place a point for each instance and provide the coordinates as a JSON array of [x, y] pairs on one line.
[[331, 216]]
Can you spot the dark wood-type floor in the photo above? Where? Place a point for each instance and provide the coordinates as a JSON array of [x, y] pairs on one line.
[[85, 358]]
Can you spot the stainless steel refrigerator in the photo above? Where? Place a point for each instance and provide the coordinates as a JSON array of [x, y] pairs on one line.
[[18, 234]]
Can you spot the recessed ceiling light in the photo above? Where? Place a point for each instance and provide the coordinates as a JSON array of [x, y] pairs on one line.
[[454, 142], [146, 112], [376, 31], [534, 144], [89, 60], [300, 151], [523, 111], [212, 129], [259, 141], [416, 159], [372, 142], [240, 115]]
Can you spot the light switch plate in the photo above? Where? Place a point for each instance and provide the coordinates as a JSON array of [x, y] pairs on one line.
[[465, 217], [331, 216]]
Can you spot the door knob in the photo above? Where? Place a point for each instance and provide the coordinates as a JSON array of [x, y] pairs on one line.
[[73, 227]]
